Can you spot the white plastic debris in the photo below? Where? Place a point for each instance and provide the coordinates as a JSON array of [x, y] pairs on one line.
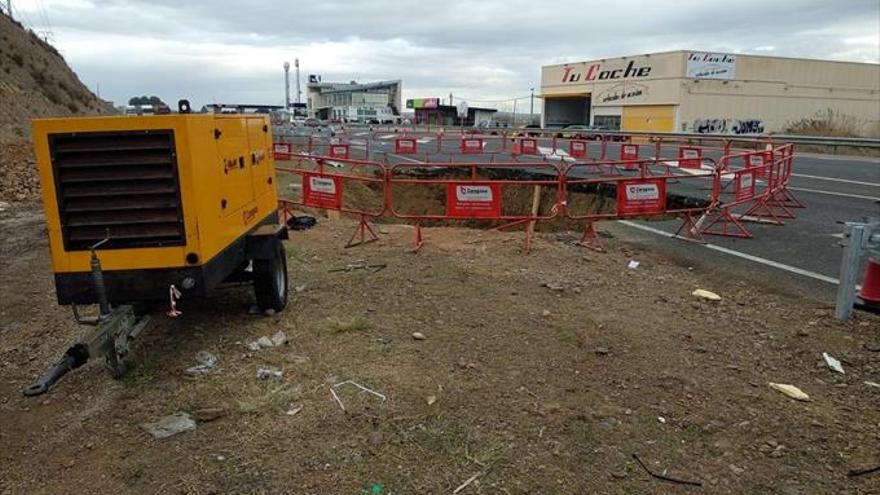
[[633, 264], [206, 361], [267, 374], [705, 294], [661, 419], [279, 339], [790, 390], [873, 384], [833, 363], [294, 410], [253, 346], [170, 425], [265, 342]]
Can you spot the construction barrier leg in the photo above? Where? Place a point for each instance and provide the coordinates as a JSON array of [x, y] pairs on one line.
[[692, 230], [530, 227], [788, 199], [363, 228], [591, 239], [721, 223], [417, 244]]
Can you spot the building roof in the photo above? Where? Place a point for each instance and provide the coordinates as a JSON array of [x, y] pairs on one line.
[[330, 87], [750, 55]]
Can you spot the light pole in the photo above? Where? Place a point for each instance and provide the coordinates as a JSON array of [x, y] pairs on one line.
[[532, 106]]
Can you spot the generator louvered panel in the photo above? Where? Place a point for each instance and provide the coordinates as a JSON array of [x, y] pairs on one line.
[[124, 184]]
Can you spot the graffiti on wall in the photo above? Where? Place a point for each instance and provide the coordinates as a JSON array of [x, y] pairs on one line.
[[728, 126]]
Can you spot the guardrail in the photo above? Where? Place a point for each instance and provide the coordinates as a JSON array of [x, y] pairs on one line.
[[822, 141]]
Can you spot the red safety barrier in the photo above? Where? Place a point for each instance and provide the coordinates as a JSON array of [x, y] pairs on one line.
[[282, 151], [629, 151], [340, 151], [689, 157], [473, 191], [406, 146], [472, 145], [636, 188], [757, 191], [323, 183], [578, 149]]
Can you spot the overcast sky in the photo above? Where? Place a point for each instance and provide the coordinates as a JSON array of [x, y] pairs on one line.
[[232, 51]]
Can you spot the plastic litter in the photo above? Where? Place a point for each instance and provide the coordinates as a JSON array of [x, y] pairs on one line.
[[705, 294], [170, 425], [267, 374], [206, 361], [354, 384], [873, 384], [790, 390], [833, 363], [633, 264], [279, 339]]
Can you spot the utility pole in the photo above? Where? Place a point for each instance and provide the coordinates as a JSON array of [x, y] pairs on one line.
[[532, 107], [450, 100], [9, 8], [298, 91], [286, 85]]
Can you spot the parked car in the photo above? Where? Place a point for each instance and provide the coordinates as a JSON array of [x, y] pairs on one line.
[[311, 122], [578, 131]]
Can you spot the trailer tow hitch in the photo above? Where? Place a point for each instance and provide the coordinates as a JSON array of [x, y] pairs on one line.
[[113, 331]]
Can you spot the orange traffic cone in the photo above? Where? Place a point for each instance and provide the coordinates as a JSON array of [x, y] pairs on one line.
[[871, 286]]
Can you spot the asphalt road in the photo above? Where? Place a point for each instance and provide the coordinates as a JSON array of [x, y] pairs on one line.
[[803, 255]]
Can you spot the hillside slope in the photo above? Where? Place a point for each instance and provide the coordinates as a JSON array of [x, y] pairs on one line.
[[35, 81]]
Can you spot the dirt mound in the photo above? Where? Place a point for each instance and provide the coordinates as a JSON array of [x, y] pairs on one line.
[[18, 172]]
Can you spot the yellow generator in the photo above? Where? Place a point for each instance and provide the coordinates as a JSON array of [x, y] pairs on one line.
[[146, 208]]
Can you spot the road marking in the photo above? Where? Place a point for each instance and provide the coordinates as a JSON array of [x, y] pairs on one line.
[[424, 140], [832, 193], [386, 136], [834, 179], [739, 254]]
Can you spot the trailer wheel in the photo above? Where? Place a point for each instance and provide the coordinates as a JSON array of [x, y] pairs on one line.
[[270, 280]]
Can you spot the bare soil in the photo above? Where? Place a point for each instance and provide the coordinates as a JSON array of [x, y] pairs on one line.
[[539, 373]]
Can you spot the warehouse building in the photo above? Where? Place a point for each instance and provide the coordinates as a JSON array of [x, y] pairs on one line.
[[354, 102], [430, 111], [684, 91]]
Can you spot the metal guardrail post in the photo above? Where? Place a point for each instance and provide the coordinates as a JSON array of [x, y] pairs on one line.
[[849, 266]]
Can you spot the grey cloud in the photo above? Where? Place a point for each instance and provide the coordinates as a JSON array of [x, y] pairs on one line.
[[488, 49]]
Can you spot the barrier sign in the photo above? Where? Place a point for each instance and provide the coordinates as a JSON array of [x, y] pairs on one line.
[[528, 146], [629, 152], [690, 157], [282, 151], [762, 159], [405, 146], [339, 151], [743, 185], [468, 200], [641, 196], [321, 191], [577, 149], [472, 145]]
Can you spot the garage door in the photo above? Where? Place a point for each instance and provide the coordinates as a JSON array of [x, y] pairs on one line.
[[658, 118]]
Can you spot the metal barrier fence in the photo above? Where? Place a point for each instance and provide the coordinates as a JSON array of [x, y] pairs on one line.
[[713, 195]]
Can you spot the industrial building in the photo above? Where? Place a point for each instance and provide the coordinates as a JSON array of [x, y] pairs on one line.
[[685, 91], [354, 102], [430, 111]]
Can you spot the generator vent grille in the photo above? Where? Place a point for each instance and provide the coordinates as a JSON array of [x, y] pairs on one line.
[[124, 184]]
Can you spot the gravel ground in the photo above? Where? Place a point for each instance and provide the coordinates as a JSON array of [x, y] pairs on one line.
[[538, 373]]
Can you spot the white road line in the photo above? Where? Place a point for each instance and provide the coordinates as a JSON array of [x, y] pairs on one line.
[[386, 136], [834, 179], [832, 193], [424, 140], [739, 254]]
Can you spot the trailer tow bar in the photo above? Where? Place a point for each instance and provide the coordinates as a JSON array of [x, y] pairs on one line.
[[113, 331]]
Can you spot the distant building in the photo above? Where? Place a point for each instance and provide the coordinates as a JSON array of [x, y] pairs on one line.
[[354, 102], [719, 93], [429, 111], [240, 108]]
